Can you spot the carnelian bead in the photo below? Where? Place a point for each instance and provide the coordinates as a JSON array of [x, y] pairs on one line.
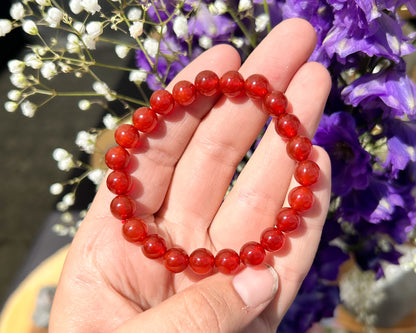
[[227, 261], [232, 84], [176, 260], [134, 230], [123, 207], [201, 261], [207, 83], [144, 119], [119, 182], [272, 239], [307, 172], [127, 136], [154, 246], [275, 103], [300, 198], [287, 220], [287, 125], [299, 148], [256, 86], [162, 102], [252, 254], [184, 93], [117, 158]]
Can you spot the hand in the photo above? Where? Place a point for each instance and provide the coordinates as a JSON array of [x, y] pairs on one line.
[[184, 169]]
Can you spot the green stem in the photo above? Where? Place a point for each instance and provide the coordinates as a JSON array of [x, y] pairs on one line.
[[267, 12], [243, 28]]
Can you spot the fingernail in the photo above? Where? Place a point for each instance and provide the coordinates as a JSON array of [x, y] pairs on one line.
[[256, 285]]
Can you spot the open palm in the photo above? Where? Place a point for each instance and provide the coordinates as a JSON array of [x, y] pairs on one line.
[[182, 172]]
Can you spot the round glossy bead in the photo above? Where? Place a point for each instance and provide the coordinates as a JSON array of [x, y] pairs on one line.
[[288, 220], [300, 198], [154, 246], [252, 254], [272, 239], [299, 148], [175, 260], [207, 83], [119, 182], [123, 207], [275, 103], [256, 86], [287, 125], [117, 158], [227, 261], [184, 93], [162, 101], [232, 84], [144, 119], [127, 136], [307, 173], [134, 230], [201, 261]]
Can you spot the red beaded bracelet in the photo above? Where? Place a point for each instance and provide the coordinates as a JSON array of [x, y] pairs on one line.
[[184, 93]]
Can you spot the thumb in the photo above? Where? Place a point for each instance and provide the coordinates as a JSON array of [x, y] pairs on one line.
[[219, 303]]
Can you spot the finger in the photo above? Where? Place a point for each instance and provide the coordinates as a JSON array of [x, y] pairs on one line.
[[154, 161], [224, 136], [218, 303], [261, 188]]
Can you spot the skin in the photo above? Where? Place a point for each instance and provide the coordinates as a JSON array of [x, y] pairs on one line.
[[182, 171]]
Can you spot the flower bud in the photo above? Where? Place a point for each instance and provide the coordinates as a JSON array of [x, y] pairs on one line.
[[30, 27], [5, 27]]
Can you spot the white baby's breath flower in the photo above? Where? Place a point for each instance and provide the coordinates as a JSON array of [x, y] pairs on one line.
[[138, 76], [30, 27], [96, 176], [151, 46], [205, 42], [79, 27], [66, 164], [180, 26], [48, 70], [65, 68], [17, 11], [60, 154], [121, 51], [28, 109], [43, 2], [59, 228], [5, 27], [244, 5], [84, 104], [15, 66], [103, 89], [69, 199], [110, 122], [11, 106], [56, 188], [261, 22], [219, 7], [14, 95], [134, 14], [19, 80], [161, 29], [237, 41], [89, 41], [94, 28], [136, 29], [90, 6], [33, 61], [73, 43], [86, 141], [67, 218], [75, 6], [54, 17]]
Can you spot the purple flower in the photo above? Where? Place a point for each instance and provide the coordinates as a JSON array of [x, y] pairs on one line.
[[392, 86], [350, 162]]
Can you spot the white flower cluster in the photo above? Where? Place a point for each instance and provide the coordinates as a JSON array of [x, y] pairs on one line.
[[63, 158], [86, 141]]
